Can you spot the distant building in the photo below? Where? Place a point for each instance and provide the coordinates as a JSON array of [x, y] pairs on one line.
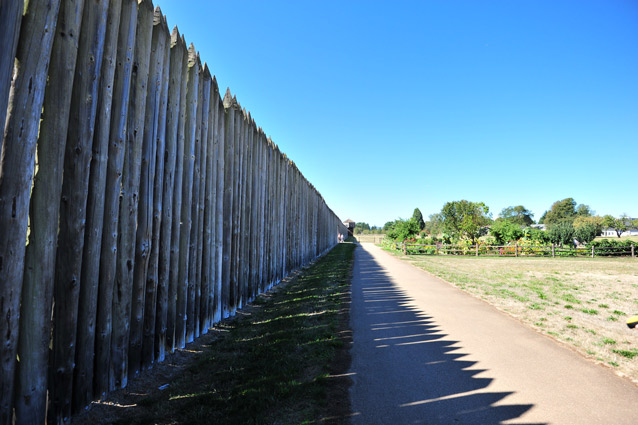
[[350, 226], [631, 231], [538, 226]]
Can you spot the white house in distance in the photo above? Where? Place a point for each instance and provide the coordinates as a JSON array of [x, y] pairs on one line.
[[631, 231]]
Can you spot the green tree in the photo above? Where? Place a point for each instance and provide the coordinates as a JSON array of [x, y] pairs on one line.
[[584, 211], [403, 229], [561, 233], [359, 227], [560, 211], [434, 226], [418, 217], [620, 225], [586, 232], [506, 231], [465, 219], [517, 215]]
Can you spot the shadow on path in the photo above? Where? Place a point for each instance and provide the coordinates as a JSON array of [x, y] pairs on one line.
[[405, 369]]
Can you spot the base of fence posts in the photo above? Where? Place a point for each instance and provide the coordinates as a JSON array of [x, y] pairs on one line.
[[477, 249], [405, 250], [592, 252], [553, 254]]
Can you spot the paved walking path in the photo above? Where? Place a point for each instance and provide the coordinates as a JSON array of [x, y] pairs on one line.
[[425, 352]]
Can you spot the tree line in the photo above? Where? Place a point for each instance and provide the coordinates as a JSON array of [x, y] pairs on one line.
[[566, 222]]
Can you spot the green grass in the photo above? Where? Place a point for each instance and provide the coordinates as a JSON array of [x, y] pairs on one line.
[[271, 364]]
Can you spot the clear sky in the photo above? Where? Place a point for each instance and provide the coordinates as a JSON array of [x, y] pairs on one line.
[[390, 105]]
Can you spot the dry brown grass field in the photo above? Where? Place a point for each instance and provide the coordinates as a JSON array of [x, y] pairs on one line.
[[581, 302]]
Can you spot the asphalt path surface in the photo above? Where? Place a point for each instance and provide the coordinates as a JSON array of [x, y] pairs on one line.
[[425, 352]]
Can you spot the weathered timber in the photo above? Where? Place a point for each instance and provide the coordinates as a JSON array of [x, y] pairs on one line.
[[229, 165], [123, 296], [164, 300], [115, 165], [98, 37], [187, 193], [39, 272], [149, 349], [11, 17], [173, 284], [17, 162], [203, 250], [77, 161], [146, 202], [191, 306], [219, 204]]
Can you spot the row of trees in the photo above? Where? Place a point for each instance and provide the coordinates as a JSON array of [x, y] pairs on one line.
[[565, 222]]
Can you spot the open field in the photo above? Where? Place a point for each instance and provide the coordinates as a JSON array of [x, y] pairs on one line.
[[581, 302], [280, 360], [373, 238]]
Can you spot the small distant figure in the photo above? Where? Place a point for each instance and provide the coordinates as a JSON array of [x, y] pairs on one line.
[[339, 237], [575, 243]]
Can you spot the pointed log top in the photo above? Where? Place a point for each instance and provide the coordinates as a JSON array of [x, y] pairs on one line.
[[206, 72], [228, 99], [157, 16], [145, 3], [174, 36], [214, 85], [192, 56]]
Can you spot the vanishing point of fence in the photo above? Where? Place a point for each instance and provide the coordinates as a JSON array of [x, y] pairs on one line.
[[512, 250], [150, 206]]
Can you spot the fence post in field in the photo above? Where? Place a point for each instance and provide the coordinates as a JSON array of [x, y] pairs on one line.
[[476, 247], [115, 164], [592, 251], [633, 251], [515, 250], [156, 110], [11, 18], [24, 107], [553, 252]]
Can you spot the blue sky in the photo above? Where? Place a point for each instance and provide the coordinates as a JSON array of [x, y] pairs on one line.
[[390, 105]]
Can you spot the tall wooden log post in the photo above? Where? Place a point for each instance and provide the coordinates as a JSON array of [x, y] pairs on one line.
[[187, 193], [152, 281], [17, 162], [244, 213], [88, 305], [35, 317], [115, 165], [153, 140], [219, 204], [122, 296], [11, 18], [229, 165], [254, 210], [77, 160], [208, 225], [176, 228], [191, 299], [237, 185], [170, 179], [262, 208]]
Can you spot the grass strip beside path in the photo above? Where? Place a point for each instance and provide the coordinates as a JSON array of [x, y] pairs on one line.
[[274, 363]]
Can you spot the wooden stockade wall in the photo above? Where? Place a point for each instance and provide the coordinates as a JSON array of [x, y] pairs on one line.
[[151, 207]]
